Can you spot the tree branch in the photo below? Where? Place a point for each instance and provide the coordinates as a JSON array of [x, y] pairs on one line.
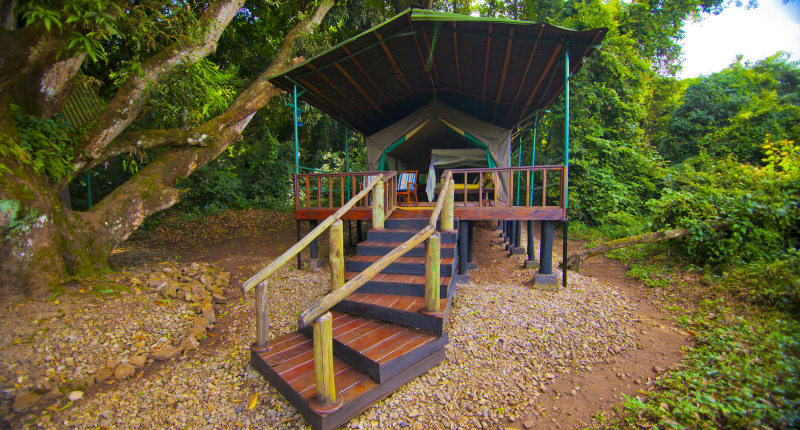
[[130, 98], [152, 189], [151, 139]]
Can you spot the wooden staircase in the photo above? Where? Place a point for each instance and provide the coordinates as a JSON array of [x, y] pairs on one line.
[[381, 340]]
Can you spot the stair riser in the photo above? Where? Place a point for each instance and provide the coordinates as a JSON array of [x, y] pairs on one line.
[[415, 223], [414, 252], [397, 268], [402, 236], [414, 290], [384, 371], [351, 408], [408, 319]]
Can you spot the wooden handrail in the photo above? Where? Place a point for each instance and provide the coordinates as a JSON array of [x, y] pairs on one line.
[[297, 247], [440, 201], [334, 297]]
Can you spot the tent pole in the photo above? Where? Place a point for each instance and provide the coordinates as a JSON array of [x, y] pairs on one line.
[[519, 163], [346, 155], [566, 160], [296, 139], [533, 152]]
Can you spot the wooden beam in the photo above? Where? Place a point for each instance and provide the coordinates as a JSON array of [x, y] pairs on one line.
[[430, 52], [527, 67], [360, 90], [541, 78], [322, 95], [486, 66], [455, 49], [503, 75], [369, 78], [392, 62]]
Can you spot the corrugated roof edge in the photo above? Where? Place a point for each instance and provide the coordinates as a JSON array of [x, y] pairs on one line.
[[434, 15], [340, 44]]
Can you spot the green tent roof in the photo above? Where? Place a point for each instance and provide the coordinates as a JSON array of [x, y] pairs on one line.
[[497, 70]]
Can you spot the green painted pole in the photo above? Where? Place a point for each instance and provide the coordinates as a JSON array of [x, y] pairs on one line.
[[296, 138], [89, 187], [347, 156], [519, 163], [533, 152], [566, 127]]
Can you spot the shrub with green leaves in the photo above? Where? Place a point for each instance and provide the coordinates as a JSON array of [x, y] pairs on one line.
[[737, 213], [740, 376]]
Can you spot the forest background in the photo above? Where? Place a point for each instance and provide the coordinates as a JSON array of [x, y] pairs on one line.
[[717, 154]]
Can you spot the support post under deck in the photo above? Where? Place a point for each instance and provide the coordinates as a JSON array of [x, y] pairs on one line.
[[516, 249], [471, 264], [531, 263], [545, 279], [313, 263], [463, 237]]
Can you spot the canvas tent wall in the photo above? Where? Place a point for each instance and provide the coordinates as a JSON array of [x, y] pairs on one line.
[[472, 132]]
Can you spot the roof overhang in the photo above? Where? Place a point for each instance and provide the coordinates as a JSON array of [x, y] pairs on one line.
[[497, 70]]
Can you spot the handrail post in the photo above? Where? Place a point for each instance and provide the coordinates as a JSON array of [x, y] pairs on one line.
[[326, 399], [447, 213], [336, 246], [432, 273], [377, 206], [262, 316]]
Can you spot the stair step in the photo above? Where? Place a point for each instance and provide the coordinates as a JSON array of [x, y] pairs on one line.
[[403, 234], [413, 223], [381, 350], [404, 285], [397, 309], [403, 265], [447, 250], [289, 366]]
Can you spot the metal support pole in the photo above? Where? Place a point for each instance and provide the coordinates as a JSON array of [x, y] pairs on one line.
[[296, 137], [533, 153], [299, 236], [566, 129], [463, 245], [519, 163], [531, 241], [517, 233], [470, 225], [350, 231], [313, 248], [564, 254], [358, 231], [546, 249]]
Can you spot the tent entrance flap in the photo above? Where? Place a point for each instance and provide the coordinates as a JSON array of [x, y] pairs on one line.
[[413, 139]]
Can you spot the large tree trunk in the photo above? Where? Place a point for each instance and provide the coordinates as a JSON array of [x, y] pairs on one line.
[[41, 241]]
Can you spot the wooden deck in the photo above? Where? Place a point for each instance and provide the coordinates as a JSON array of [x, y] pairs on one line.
[[318, 196]]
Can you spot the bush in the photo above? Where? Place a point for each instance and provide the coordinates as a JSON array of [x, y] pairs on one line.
[[740, 376]]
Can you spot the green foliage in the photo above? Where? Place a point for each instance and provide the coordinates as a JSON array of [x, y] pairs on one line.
[[742, 375], [756, 213], [783, 157], [44, 144], [772, 283], [733, 111], [89, 23]]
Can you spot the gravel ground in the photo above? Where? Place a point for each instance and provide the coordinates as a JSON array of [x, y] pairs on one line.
[[509, 342]]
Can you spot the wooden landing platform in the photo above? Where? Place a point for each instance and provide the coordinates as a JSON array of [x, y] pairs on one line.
[[289, 366]]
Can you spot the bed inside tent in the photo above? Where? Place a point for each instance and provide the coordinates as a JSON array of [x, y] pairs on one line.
[[438, 137]]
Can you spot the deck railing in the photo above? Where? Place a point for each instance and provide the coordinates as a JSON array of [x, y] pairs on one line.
[[527, 185], [327, 399], [332, 190]]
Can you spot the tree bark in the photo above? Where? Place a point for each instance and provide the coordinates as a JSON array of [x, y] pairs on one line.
[[41, 241], [575, 260]]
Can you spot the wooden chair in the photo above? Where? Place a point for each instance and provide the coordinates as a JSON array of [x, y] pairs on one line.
[[407, 186]]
